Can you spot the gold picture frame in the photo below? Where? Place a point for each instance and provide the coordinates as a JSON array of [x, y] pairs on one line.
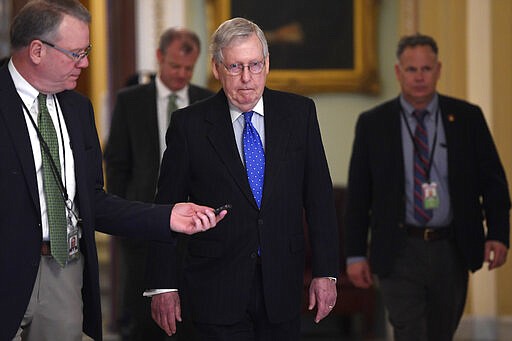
[[361, 76]]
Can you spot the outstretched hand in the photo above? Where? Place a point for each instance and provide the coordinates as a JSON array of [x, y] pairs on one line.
[[189, 218]]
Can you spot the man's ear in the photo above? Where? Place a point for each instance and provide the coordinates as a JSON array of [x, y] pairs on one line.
[[36, 51], [214, 70]]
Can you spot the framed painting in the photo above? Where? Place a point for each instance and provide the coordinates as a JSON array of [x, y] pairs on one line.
[[315, 46]]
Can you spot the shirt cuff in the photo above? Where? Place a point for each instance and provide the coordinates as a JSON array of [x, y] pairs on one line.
[[332, 279], [153, 292], [355, 259]]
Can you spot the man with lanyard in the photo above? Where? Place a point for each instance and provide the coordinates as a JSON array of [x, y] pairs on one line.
[[424, 172], [51, 174]]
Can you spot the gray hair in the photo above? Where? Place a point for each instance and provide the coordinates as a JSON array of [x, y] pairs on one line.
[[189, 40], [415, 40], [40, 19], [234, 29]]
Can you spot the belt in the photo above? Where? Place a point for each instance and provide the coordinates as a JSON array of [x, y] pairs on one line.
[[45, 248], [429, 233]]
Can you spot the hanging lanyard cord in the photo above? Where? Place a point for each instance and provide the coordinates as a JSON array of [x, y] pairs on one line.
[[415, 145], [55, 171]]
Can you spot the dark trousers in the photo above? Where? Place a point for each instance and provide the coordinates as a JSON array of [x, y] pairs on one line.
[[426, 291], [255, 326]]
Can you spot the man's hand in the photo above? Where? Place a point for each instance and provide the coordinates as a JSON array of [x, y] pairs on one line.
[[359, 274], [322, 293], [495, 254], [189, 218], [166, 310]]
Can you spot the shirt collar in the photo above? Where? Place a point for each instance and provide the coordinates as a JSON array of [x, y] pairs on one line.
[[432, 107], [164, 92], [26, 91], [235, 112]]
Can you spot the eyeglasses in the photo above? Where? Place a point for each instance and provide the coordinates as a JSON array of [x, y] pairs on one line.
[[76, 56], [238, 68]]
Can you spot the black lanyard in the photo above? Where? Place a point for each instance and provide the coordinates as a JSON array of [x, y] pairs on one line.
[[415, 145], [55, 171]]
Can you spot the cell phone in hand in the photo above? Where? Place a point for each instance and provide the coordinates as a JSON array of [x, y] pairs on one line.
[[226, 207]]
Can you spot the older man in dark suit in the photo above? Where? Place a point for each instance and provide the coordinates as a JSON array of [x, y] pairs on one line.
[[264, 156], [424, 174], [51, 181], [132, 159]]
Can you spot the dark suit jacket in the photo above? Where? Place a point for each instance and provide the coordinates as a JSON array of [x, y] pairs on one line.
[[376, 197], [20, 217], [132, 154], [202, 163]]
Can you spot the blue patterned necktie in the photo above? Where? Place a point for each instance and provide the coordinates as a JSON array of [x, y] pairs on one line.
[[54, 202], [421, 164], [254, 157]]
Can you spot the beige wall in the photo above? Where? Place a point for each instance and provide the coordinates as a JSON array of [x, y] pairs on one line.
[[501, 11]]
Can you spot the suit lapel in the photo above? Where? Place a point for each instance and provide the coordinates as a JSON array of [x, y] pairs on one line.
[[395, 130], [71, 112], [192, 94], [14, 117], [277, 133], [450, 121], [392, 126], [150, 120], [222, 137]]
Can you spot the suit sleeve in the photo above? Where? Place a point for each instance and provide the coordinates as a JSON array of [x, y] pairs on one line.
[[162, 260], [109, 213], [319, 204], [493, 183], [357, 214]]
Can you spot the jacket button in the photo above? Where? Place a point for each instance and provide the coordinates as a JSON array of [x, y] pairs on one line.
[[253, 255], [260, 221]]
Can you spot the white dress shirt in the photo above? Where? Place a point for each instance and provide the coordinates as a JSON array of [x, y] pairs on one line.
[[28, 95], [162, 95]]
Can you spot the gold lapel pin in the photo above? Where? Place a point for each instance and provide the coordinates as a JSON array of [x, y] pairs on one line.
[[451, 118]]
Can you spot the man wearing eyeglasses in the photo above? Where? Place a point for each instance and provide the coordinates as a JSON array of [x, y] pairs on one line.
[[51, 184], [259, 150], [132, 157]]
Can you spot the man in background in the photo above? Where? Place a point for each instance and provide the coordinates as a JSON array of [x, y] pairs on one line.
[[133, 153], [52, 199], [424, 174]]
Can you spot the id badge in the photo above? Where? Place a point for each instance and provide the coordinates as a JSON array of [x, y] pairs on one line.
[[430, 197], [72, 237]]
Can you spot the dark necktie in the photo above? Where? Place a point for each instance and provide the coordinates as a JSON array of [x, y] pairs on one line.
[[54, 201], [171, 107], [254, 157], [421, 165]]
